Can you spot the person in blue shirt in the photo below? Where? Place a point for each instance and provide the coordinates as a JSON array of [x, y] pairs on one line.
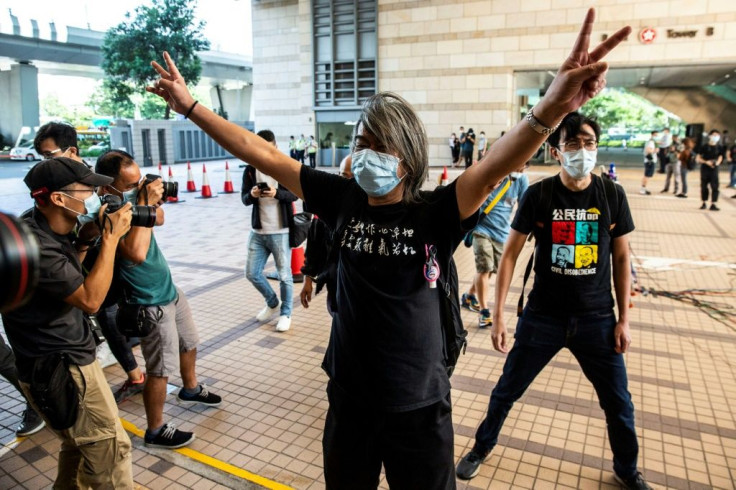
[[489, 237]]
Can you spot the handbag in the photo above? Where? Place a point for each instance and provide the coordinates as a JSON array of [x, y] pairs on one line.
[[299, 229], [54, 390], [137, 320]]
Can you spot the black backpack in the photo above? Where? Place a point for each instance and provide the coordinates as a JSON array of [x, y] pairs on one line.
[[543, 209], [453, 330]]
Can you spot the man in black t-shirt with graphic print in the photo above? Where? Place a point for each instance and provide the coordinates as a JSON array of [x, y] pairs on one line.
[[569, 306]]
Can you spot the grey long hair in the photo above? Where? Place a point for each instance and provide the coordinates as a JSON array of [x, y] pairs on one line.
[[395, 125]]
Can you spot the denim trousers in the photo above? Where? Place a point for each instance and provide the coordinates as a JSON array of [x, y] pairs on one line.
[[259, 248], [590, 338]]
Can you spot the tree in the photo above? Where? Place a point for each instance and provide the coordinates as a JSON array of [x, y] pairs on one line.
[[121, 101], [618, 107], [128, 48]]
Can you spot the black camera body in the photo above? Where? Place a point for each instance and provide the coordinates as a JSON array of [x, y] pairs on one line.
[[171, 189], [20, 258], [144, 216]]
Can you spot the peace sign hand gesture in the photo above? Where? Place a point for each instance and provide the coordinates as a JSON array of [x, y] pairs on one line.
[[582, 76], [171, 86]]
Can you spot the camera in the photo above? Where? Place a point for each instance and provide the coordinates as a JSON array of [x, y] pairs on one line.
[[144, 216], [19, 262], [171, 189]]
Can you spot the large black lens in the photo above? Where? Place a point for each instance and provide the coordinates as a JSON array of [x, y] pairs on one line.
[[19, 261], [143, 216]]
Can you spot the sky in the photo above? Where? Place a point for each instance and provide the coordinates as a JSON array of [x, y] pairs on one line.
[[228, 28]]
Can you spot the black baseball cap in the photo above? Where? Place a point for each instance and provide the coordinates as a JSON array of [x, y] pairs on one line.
[[56, 173]]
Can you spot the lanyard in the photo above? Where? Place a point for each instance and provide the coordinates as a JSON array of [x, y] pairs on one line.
[[498, 196]]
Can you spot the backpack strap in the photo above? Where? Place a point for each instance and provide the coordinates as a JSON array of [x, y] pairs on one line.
[[611, 195], [540, 213]]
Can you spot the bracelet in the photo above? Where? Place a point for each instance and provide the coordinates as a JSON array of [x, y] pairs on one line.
[[191, 109], [538, 126]]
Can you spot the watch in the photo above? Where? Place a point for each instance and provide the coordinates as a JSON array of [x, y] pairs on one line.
[[538, 126]]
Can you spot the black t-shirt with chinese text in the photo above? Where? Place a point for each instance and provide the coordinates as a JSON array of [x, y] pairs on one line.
[[47, 324], [572, 263], [386, 343]]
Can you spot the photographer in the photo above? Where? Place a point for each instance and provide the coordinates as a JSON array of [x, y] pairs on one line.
[[467, 143], [271, 219], [151, 295], [54, 348]]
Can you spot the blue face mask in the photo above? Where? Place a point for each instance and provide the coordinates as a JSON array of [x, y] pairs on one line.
[[375, 172], [130, 196], [92, 207], [578, 164]]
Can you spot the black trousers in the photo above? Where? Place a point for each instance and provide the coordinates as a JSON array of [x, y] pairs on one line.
[[468, 156], [118, 343], [708, 177], [312, 159], [416, 447], [7, 365], [300, 156]]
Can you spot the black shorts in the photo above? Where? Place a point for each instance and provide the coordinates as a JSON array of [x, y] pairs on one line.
[[648, 169]]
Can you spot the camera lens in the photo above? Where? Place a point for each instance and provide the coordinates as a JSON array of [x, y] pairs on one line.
[[19, 261], [144, 216], [171, 189]]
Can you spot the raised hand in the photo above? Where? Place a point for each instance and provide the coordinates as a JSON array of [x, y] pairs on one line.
[[582, 75], [171, 86]]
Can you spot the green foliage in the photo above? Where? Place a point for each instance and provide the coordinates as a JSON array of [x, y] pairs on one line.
[[112, 99], [128, 48], [617, 107]]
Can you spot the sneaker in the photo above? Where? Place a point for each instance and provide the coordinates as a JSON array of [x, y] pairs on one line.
[[204, 397], [681, 195], [31, 423], [485, 319], [703, 206], [664, 191], [169, 438], [469, 466], [130, 389], [470, 302], [713, 207], [267, 312], [636, 482], [283, 324], [643, 191]]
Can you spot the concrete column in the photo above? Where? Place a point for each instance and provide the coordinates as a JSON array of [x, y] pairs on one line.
[[19, 91]]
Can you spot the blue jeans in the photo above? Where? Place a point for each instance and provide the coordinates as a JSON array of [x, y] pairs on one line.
[[259, 248], [732, 171], [590, 339]]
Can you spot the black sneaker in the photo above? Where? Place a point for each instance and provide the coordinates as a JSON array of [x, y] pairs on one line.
[[703, 206], [713, 207], [469, 466], [169, 438], [130, 389], [636, 482], [204, 397], [31, 423]]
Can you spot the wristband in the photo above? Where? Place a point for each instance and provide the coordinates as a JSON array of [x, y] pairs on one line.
[[538, 126], [191, 109]]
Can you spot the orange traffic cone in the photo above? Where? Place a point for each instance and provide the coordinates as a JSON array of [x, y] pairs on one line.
[[191, 186], [171, 179], [206, 189], [228, 181], [445, 179], [297, 262]]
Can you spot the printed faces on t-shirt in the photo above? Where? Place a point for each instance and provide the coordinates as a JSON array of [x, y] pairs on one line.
[[575, 241]]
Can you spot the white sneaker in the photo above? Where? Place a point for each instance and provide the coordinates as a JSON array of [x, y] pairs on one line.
[[266, 313], [284, 323]]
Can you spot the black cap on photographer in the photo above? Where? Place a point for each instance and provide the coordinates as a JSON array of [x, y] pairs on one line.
[[56, 173]]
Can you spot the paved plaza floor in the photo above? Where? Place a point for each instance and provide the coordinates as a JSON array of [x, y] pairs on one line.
[[267, 433]]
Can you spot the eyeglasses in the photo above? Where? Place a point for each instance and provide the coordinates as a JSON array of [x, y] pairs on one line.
[[575, 145], [50, 154]]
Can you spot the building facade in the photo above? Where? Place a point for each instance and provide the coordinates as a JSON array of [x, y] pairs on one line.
[[478, 64]]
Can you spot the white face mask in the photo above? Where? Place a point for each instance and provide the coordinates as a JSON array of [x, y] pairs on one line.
[[715, 138], [579, 164]]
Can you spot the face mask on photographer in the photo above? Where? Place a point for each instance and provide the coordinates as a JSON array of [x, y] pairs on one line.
[[714, 138], [375, 173], [91, 206], [130, 196], [579, 164], [514, 175]]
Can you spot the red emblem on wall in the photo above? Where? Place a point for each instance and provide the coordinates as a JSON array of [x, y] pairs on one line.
[[647, 35]]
